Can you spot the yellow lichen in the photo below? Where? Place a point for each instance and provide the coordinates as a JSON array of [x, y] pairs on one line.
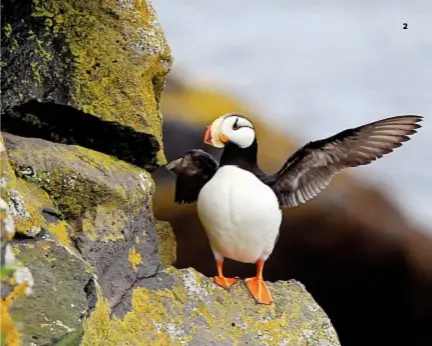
[[99, 333], [9, 333], [18, 291], [107, 218], [166, 243], [80, 190], [175, 315], [89, 229], [27, 199], [36, 73], [60, 232], [135, 258], [7, 29], [120, 60]]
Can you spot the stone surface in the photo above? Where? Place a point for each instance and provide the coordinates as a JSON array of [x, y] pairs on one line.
[[16, 280], [185, 308], [107, 202], [59, 301], [99, 66]]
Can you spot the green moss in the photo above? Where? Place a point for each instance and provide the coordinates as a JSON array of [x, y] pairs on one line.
[[36, 73], [120, 59], [71, 192], [7, 30], [15, 44], [99, 189], [74, 194], [41, 49]]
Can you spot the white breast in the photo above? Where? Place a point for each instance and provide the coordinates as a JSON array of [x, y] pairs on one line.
[[240, 214]]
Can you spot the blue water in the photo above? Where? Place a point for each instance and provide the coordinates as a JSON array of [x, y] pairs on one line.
[[319, 67]]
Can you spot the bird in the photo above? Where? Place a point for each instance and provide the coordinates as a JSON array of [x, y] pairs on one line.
[[240, 205]]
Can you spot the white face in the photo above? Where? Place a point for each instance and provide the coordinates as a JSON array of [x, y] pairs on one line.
[[232, 128]]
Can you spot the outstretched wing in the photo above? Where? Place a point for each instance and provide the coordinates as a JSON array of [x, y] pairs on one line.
[[310, 169], [192, 171]]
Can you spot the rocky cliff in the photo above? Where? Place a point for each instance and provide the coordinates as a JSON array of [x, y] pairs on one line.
[[81, 124]]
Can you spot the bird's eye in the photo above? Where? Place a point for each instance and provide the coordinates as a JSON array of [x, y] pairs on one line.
[[236, 125]]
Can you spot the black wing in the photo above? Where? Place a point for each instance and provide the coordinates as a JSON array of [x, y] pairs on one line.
[[310, 169], [192, 171]]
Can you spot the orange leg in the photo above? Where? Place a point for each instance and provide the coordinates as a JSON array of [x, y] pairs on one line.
[[221, 280], [257, 286]]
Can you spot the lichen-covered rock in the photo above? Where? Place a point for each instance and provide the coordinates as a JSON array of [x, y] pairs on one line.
[[59, 301], [182, 307], [24, 200], [16, 280], [96, 65], [107, 203]]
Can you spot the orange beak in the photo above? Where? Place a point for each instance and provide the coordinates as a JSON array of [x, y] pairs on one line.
[[207, 136]]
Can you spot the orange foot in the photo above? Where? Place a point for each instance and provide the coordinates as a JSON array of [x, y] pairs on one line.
[[258, 288], [224, 282]]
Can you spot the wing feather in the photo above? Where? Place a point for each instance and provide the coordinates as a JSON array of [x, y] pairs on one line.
[[192, 172], [310, 169]]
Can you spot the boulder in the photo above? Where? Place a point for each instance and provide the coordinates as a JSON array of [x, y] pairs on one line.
[[95, 66], [182, 307], [103, 209], [59, 298]]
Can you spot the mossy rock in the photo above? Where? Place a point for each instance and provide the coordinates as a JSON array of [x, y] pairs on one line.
[[104, 207], [182, 307], [58, 302], [101, 59], [77, 179], [26, 201]]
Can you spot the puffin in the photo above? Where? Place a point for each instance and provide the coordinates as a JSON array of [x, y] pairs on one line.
[[240, 206]]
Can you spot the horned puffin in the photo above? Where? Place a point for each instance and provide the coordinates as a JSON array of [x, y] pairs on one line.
[[239, 205]]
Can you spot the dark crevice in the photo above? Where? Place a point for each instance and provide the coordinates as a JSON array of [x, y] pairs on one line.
[[51, 215], [77, 244], [133, 285], [67, 125], [90, 292], [23, 236]]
